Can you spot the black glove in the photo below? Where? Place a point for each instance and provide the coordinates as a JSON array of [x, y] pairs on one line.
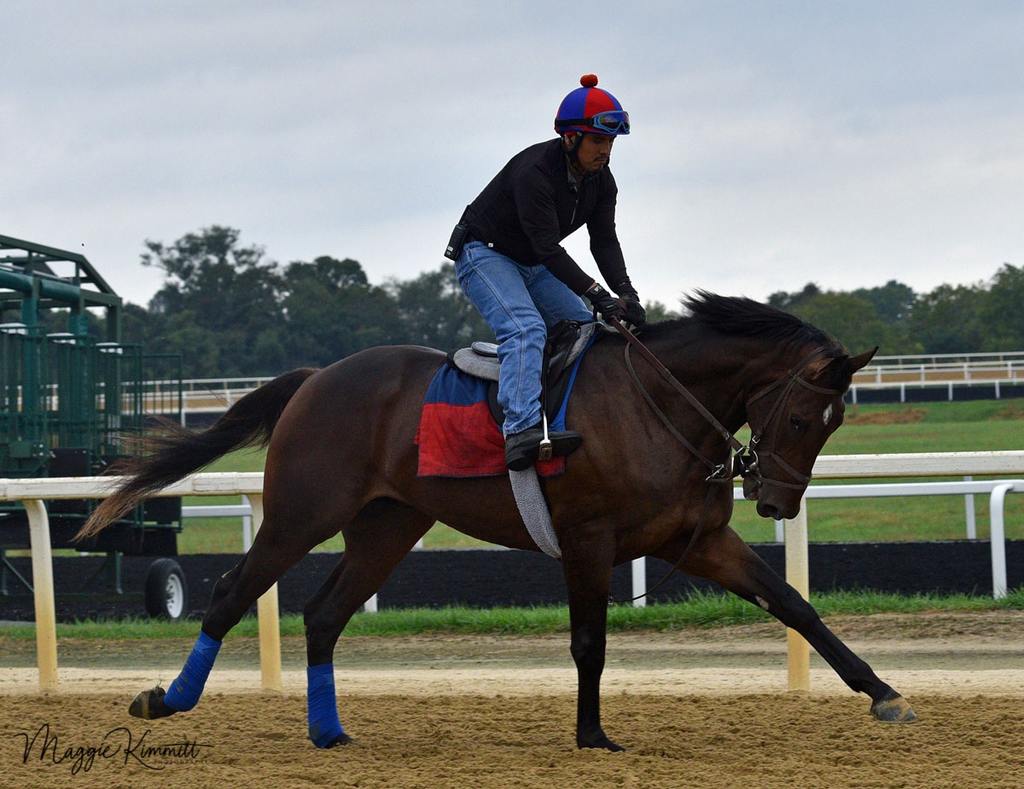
[[633, 312], [603, 302]]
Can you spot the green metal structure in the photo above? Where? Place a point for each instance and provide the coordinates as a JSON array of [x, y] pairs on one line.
[[73, 397]]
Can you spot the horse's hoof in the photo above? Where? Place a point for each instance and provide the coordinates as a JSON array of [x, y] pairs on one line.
[[149, 705], [341, 739], [600, 741], [894, 710]]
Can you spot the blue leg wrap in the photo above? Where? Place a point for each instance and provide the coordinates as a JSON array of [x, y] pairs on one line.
[[185, 691], [322, 707]]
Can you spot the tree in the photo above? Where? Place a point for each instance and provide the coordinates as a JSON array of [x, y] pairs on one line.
[[893, 302], [331, 311], [851, 319], [658, 312], [946, 320], [436, 313], [1001, 312], [861, 319], [791, 301], [229, 310], [221, 282], [218, 303]]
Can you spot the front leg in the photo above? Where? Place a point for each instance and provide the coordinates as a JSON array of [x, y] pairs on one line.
[[724, 557], [587, 564]]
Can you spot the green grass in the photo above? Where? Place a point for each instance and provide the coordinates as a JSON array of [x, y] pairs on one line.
[[966, 411], [920, 427], [702, 610], [984, 425]]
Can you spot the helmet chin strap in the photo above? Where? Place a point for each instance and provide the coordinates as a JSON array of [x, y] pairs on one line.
[[573, 150]]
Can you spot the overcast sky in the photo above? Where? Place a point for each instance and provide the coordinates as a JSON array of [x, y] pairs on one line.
[[773, 143]]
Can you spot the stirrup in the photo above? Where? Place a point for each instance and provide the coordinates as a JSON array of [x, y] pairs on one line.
[[546, 449]]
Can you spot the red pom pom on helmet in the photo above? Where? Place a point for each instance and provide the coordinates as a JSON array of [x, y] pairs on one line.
[[589, 80]]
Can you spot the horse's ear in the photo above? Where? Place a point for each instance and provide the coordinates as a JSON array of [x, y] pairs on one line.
[[861, 360]]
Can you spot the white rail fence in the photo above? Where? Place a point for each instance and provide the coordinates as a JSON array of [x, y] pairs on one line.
[[998, 363], [906, 373], [948, 388], [946, 358], [33, 492], [218, 401]]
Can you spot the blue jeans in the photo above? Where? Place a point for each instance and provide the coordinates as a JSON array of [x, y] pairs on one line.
[[520, 303]]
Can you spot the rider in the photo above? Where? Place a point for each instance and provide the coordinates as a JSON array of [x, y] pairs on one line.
[[516, 273]]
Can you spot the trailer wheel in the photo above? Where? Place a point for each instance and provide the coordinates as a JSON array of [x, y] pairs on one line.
[[166, 590]]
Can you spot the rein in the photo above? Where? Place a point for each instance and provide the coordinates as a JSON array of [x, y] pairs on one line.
[[746, 460]]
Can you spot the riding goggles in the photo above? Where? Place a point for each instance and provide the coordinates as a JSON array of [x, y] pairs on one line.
[[610, 122]]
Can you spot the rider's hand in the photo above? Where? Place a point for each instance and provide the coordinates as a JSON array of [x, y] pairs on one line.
[[633, 312], [603, 302]]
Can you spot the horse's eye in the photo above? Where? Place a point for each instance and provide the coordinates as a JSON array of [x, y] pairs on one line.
[[796, 422]]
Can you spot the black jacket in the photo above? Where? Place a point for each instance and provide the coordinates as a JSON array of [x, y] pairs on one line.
[[532, 204]]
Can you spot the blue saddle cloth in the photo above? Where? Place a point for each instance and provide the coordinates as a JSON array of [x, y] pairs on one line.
[[458, 435]]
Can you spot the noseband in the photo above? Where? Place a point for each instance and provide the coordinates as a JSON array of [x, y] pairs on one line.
[[746, 460], [746, 463]]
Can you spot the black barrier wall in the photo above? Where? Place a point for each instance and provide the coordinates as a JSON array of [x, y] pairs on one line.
[[486, 578]]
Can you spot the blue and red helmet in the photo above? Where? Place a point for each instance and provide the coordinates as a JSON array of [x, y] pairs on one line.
[[591, 110]]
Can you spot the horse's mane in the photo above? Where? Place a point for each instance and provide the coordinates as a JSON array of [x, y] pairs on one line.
[[742, 317]]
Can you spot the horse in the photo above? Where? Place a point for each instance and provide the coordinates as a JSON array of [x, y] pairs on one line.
[[341, 456]]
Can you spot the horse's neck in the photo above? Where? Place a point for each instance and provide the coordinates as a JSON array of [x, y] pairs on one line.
[[721, 372]]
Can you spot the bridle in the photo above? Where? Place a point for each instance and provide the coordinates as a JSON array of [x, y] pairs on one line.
[[747, 462], [746, 458]]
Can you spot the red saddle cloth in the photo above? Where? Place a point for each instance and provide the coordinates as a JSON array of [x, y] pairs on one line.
[[458, 437]]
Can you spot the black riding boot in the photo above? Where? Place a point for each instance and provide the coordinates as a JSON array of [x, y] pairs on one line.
[[522, 449]]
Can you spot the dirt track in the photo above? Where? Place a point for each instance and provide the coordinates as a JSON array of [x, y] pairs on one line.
[[699, 708]]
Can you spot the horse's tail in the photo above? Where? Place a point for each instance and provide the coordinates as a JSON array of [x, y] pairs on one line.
[[180, 451]]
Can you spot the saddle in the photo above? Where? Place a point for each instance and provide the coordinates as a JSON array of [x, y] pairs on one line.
[[566, 341]]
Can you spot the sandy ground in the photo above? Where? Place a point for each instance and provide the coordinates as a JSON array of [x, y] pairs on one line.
[[694, 708]]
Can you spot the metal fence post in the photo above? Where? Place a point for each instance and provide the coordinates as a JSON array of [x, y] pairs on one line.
[[972, 527], [42, 588], [798, 576], [997, 537], [269, 619], [246, 526], [639, 571]]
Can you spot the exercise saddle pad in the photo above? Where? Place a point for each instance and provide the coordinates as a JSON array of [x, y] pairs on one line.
[[459, 435]]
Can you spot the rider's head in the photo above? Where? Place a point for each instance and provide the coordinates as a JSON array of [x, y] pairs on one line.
[[588, 120]]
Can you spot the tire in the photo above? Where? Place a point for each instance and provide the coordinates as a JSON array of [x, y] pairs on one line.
[[166, 590]]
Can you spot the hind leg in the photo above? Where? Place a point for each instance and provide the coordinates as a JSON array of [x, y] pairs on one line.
[[279, 543], [383, 533]]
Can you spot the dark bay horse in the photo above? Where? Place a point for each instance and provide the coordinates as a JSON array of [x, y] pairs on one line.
[[341, 457]]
